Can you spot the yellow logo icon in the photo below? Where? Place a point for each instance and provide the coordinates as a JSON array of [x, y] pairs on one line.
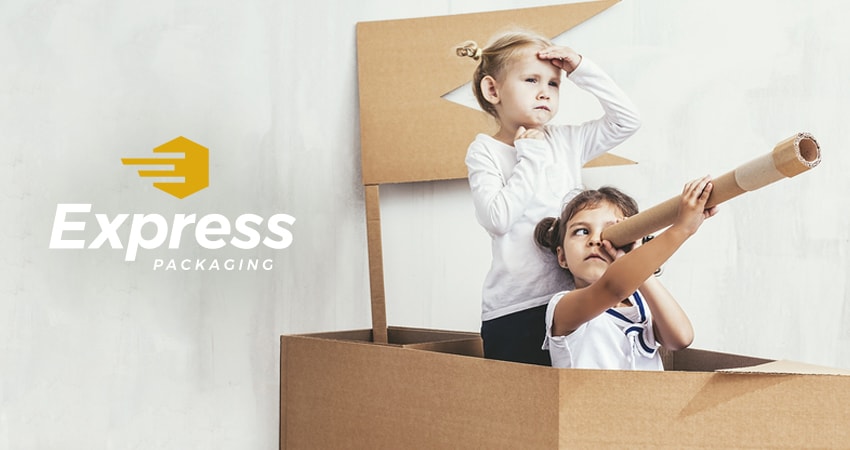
[[193, 167]]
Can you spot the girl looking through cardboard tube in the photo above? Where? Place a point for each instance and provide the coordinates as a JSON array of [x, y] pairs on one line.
[[618, 313]]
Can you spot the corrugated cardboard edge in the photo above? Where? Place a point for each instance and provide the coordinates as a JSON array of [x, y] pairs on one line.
[[785, 367], [698, 360], [281, 417], [608, 159]]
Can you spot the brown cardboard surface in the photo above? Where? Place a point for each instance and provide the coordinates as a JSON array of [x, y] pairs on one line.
[[458, 342], [408, 132], [625, 409], [696, 360], [376, 264], [353, 394], [608, 159], [789, 367], [357, 395]]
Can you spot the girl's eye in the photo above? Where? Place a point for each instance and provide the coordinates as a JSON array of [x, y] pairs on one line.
[[531, 80], [553, 83], [581, 232]]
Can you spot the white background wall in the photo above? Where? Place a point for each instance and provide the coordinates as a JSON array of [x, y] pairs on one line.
[[96, 352]]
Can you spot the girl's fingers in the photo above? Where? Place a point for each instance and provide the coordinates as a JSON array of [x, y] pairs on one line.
[[706, 189], [519, 132], [698, 187]]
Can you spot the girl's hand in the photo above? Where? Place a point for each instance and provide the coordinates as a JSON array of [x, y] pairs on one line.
[[561, 57], [616, 253], [692, 210], [530, 133], [612, 252]]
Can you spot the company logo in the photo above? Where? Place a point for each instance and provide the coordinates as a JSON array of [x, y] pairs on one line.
[[137, 232], [193, 167]]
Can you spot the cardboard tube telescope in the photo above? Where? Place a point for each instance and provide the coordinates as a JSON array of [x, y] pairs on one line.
[[789, 158]]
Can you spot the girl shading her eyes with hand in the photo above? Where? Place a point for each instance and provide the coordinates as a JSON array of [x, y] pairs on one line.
[[522, 172]]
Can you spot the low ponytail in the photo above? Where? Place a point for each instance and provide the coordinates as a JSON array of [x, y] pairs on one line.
[[546, 234]]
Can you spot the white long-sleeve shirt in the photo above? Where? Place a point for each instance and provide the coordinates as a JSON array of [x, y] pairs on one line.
[[513, 188]]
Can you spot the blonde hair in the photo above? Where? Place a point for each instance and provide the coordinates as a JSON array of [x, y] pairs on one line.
[[495, 57]]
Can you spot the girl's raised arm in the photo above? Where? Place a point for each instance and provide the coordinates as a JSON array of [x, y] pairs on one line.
[[627, 273]]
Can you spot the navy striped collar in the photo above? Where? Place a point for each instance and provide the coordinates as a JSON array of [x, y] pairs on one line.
[[637, 300]]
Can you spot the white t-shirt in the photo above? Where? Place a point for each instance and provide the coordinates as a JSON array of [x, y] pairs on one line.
[[620, 338], [513, 188]]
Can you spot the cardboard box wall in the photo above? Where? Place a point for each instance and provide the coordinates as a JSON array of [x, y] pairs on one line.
[[431, 389]]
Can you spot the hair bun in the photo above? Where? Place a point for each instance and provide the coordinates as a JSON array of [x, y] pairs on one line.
[[470, 49]]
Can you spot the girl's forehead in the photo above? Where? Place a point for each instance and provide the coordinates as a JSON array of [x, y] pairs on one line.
[[525, 57], [597, 212], [527, 51]]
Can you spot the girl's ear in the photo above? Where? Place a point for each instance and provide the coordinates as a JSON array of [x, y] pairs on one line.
[[562, 259], [489, 89]]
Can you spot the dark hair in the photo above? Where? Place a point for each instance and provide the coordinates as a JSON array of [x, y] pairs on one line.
[[549, 232]]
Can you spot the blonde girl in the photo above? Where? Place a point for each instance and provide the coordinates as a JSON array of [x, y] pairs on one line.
[[522, 173]]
